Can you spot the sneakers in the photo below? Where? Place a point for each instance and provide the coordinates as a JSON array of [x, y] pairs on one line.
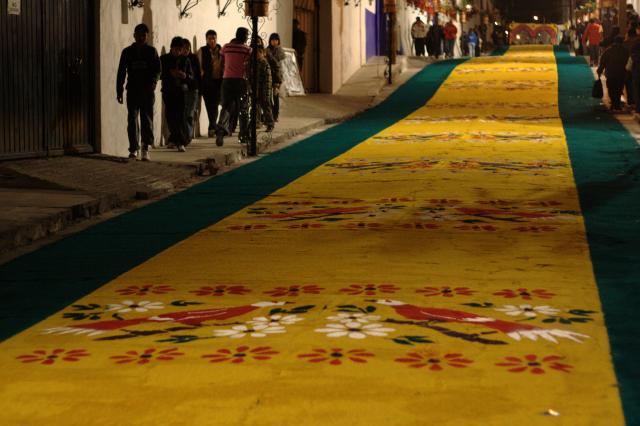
[[146, 156], [133, 155], [220, 137], [212, 133], [181, 148]]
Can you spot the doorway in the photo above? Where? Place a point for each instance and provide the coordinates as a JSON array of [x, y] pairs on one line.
[[307, 14], [47, 78]]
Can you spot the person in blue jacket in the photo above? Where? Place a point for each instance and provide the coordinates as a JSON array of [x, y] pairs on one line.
[[472, 39]]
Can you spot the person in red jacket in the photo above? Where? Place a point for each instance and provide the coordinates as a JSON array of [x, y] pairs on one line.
[[592, 37], [450, 35]]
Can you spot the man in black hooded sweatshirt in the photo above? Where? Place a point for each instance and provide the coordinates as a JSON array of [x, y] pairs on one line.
[[140, 65]]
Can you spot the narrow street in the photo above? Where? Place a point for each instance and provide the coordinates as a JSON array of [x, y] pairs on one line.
[[448, 257]]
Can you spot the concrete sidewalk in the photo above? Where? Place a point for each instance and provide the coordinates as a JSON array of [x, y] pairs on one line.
[[43, 197], [297, 116]]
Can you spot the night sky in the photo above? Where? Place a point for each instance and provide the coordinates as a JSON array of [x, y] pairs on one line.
[[524, 10]]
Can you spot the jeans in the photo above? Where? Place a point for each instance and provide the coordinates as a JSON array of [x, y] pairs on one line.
[[448, 47], [594, 55], [233, 100], [140, 104], [191, 99], [419, 46], [472, 50], [174, 107], [276, 107], [628, 85], [614, 87], [211, 91]]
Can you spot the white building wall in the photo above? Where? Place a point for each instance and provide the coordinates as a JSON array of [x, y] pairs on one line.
[[116, 32], [348, 41]]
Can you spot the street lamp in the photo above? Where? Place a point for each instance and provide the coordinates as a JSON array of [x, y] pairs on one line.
[[535, 18], [254, 9], [390, 10]]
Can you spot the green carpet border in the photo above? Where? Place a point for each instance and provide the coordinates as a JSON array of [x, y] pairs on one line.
[[606, 162], [41, 283]]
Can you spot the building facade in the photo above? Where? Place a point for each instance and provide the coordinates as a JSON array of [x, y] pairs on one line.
[[64, 101]]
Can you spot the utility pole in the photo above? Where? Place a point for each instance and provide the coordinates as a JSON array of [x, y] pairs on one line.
[[254, 9], [390, 11], [253, 144]]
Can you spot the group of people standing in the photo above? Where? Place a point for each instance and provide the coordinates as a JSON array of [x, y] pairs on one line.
[[437, 40], [220, 75], [617, 56]]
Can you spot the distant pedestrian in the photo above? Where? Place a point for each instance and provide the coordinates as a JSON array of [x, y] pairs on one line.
[[613, 63], [450, 37], [140, 65], [419, 36], [629, 43], [591, 40], [299, 43], [275, 56], [608, 41], [192, 96], [177, 75], [434, 40], [473, 40], [211, 68], [264, 88], [235, 55]]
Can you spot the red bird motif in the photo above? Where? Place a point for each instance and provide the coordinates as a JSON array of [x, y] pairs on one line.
[[512, 329], [185, 317]]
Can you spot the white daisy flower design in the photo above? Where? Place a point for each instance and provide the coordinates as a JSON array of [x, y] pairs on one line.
[[239, 331], [131, 306], [275, 320], [528, 310], [345, 318], [355, 330]]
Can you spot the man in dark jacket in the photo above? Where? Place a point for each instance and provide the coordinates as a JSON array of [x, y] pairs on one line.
[[299, 42], [613, 63], [211, 78], [192, 97], [177, 76], [435, 35], [140, 65]]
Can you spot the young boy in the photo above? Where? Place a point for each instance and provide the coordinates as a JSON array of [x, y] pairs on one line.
[[177, 75]]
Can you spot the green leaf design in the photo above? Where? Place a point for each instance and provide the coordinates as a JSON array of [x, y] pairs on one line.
[[276, 311], [580, 319], [418, 339], [179, 339], [300, 309], [183, 303], [581, 312], [403, 342], [348, 308], [89, 307], [479, 305], [370, 309], [549, 320], [75, 316]]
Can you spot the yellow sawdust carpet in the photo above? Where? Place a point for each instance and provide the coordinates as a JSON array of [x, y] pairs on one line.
[[437, 273]]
